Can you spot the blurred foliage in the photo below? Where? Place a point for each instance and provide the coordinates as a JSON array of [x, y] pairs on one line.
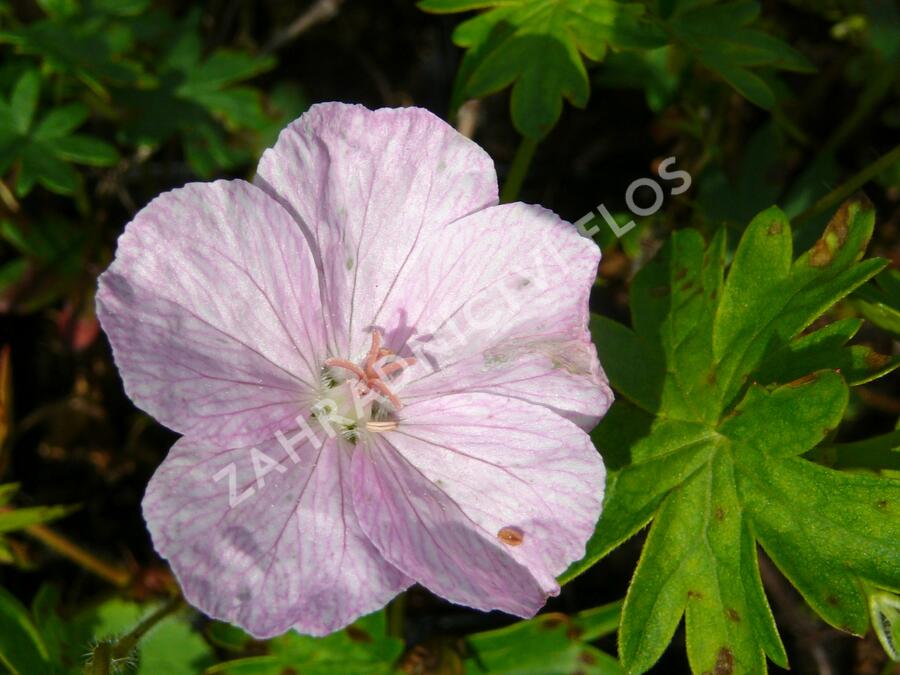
[[42, 149], [109, 84], [750, 410]]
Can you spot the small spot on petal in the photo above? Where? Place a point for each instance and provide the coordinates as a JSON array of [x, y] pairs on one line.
[[511, 536]]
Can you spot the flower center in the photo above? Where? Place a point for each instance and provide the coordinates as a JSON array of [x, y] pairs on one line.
[[363, 398]]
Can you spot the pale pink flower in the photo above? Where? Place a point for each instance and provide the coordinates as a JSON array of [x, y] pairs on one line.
[[235, 310]]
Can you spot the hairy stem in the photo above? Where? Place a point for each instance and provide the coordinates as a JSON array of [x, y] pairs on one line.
[[126, 644]]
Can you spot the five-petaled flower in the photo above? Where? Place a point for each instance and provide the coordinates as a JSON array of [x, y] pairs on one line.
[[367, 283]]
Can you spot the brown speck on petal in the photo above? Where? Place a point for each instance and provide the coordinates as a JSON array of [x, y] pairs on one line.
[[511, 536]]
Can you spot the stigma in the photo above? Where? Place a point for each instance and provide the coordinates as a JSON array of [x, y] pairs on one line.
[[369, 384]]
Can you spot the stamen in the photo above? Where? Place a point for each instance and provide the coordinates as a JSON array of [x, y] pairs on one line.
[[381, 427], [347, 365], [384, 389], [394, 366], [373, 351], [370, 376]]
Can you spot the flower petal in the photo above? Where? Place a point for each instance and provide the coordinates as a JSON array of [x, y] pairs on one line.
[[212, 309], [498, 302], [366, 185], [482, 499], [289, 554]]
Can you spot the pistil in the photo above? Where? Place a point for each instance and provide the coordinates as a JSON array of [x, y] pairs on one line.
[[371, 375]]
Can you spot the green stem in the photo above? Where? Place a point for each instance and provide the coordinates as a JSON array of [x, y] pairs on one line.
[[101, 660], [108, 653], [396, 617], [878, 87], [843, 191], [126, 644], [65, 547], [517, 170]]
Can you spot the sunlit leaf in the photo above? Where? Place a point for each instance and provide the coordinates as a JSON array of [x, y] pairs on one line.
[[537, 46], [172, 646], [361, 649], [720, 396], [550, 644]]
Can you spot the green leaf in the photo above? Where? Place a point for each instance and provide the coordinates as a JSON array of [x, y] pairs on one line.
[[44, 150], [60, 121], [194, 98], [120, 7], [879, 453], [24, 99], [12, 272], [7, 492], [19, 519], [879, 301], [85, 150], [550, 644], [50, 240], [241, 107], [79, 45], [58, 7], [733, 201], [40, 165], [719, 36], [226, 636], [826, 348], [287, 101], [172, 646], [768, 300], [650, 70], [221, 69], [22, 651], [361, 649], [721, 398], [537, 46]]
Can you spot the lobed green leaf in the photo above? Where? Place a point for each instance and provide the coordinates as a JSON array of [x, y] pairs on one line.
[[537, 47], [722, 400]]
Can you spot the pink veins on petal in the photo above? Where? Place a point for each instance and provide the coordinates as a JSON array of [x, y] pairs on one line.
[[320, 473]]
